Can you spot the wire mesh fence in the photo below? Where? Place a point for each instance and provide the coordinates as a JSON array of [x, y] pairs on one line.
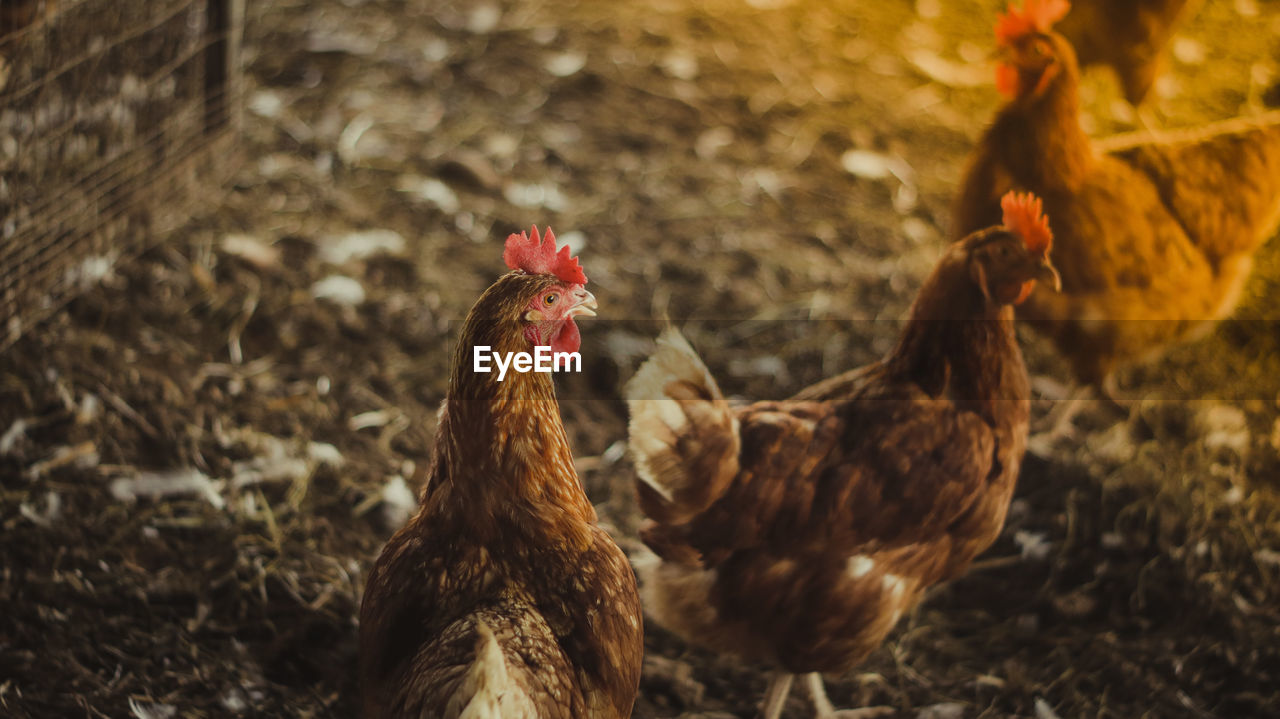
[[113, 116]]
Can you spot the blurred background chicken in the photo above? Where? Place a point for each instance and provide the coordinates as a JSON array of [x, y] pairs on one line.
[[502, 597], [796, 533], [1155, 239], [1129, 36]]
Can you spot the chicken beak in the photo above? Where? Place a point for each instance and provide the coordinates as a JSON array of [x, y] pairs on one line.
[[586, 306], [1047, 273]]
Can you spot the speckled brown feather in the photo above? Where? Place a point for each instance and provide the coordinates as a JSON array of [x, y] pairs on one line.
[[853, 498], [1154, 238], [506, 538]]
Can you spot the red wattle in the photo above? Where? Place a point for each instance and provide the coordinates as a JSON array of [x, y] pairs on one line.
[[1007, 80], [569, 339], [1025, 292]]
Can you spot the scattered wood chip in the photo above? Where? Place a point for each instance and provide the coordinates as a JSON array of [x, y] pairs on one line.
[[84, 455], [430, 190], [484, 18], [945, 710], [45, 514], [1044, 711], [88, 410], [536, 195], [947, 72], [339, 289], [265, 103], [326, 454], [151, 710], [251, 249], [18, 430], [711, 141], [373, 418], [1035, 546], [679, 64], [398, 502], [361, 244], [1225, 427], [1075, 605], [169, 483], [566, 64]]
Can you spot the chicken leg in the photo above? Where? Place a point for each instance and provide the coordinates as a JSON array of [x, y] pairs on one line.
[[825, 710], [776, 695]]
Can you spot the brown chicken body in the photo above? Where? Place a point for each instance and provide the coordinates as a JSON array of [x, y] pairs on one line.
[[502, 597], [1129, 36], [1154, 239], [796, 533]]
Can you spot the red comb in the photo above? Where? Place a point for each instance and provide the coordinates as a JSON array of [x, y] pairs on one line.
[[538, 256], [1024, 217], [1035, 16]]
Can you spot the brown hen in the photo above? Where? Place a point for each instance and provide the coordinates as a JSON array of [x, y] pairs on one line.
[[796, 533], [1155, 239], [502, 597]]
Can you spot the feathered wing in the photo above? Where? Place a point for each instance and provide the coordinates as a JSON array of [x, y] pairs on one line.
[[683, 434], [1221, 182], [782, 444], [879, 470]]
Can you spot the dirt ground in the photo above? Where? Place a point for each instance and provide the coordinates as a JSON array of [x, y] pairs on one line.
[[200, 458]]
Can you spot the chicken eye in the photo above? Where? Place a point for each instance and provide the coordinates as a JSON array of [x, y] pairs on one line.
[[550, 299]]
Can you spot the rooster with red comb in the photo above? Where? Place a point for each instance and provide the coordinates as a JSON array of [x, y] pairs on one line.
[[502, 597], [797, 533]]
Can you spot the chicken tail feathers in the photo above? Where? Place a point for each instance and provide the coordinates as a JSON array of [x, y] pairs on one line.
[[487, 690], [683, 433]]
